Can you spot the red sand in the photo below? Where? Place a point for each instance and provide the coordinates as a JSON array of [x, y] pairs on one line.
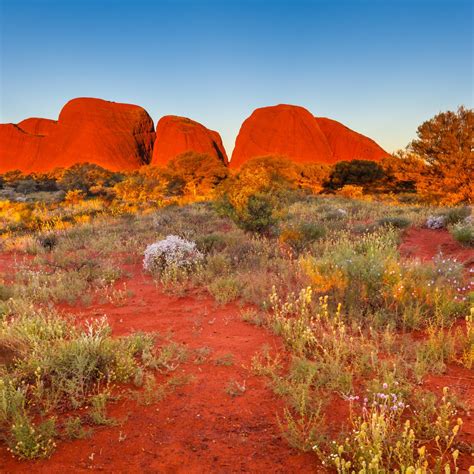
[[425, 244], [199, 428]]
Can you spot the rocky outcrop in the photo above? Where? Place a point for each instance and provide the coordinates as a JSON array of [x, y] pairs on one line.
[[346, 144], [285, 130], [176, 135], [293, 132], [38, 126], [19, 150], [112, 135]]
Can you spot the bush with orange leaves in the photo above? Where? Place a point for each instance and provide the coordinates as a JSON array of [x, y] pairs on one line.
[[440, 161], [351, 191]]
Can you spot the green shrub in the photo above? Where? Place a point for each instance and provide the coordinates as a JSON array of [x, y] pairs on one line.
[[311, 231], [225, 289], [397, 222], [255, 216], [29, 441], [463, 233], [457, 214], [5, 292], [210, 243], [73, 428]]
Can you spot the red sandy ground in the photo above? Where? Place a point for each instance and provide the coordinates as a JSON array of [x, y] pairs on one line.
[[199, 428], [424, 244]]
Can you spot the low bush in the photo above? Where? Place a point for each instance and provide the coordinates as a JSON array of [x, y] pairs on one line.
[[225, 289], [171, 253], [463, 233], [456, 215], [436, 222], [397, 222], [60, 366]]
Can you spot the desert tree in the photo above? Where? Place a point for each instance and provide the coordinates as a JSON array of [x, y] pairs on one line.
[[445, 144]]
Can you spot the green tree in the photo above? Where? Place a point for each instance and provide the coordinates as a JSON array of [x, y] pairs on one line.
[[368, 174]]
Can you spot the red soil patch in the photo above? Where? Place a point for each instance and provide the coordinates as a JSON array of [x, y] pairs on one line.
[[424, 244]]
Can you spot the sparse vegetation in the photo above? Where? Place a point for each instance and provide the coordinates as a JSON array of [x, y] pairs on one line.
[[362, 326]]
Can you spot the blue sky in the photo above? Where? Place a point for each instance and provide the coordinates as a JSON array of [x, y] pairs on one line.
[[379, 66]]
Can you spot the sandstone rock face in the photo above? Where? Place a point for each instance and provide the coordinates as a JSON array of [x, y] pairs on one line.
[[18, 149], [349, 145], [112, 135], [38, 126], [176, 135], [285, 130], [293, 132]]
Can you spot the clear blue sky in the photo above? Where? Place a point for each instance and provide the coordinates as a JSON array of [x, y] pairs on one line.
[[379, 66]]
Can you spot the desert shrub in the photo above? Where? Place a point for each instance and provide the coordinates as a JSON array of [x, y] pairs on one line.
[[171, 253], [383, 440], [436, 222], [60, 366], [210, 243], [26, 186], [311, 231], [351, 191], [456, 215], [301, 236], [366, 275], [5, 292], [257, 215], [48, 241], [29, 441], [463, 233], [88, 178], [225, 289], [197, 174], [73, 428], [397, 222]]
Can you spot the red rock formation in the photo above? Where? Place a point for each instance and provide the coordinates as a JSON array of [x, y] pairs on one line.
[[38, 126], [18, 149], [291, 131], [349, 145], [176, 135], [112, 135], [285, 130]]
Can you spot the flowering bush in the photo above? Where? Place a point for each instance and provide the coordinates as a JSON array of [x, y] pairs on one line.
[[436, 222], [172, 252], [383, 440]]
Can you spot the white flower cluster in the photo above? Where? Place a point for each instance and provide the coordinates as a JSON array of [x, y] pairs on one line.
[[436, 222], [172, 251]]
